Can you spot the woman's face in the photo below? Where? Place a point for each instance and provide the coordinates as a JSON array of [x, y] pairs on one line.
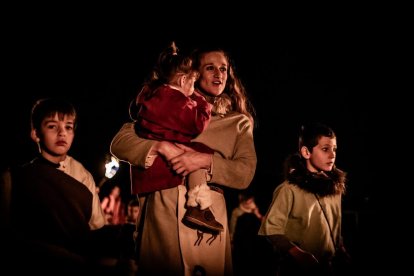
[[213, 73]]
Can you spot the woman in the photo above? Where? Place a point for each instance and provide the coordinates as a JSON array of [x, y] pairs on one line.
[[165, 245]]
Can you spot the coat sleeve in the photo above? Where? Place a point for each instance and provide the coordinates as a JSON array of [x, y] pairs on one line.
[[238, 171], [129, 147], [278, 213], [274, 224]]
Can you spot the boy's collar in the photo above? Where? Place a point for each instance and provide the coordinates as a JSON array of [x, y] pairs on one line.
[[42, 160]]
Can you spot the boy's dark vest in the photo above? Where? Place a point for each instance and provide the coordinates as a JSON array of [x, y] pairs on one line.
[[50, 206]]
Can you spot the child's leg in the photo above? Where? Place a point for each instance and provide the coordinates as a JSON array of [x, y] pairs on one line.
[[198, 190], [199, 194], [204, 196]]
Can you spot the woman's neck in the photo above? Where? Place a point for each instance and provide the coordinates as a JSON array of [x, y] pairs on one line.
[[209, 98]]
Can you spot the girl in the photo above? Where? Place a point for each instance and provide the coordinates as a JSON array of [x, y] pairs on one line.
[[168, 108]]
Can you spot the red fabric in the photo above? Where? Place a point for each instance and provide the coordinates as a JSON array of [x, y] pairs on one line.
[[167, 114]]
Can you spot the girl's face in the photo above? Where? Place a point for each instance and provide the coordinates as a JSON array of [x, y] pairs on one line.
[[322, 157], [187, 85], [213, 73], [55, 137]]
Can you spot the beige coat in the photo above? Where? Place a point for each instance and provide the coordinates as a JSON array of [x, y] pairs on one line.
[[167, 246]]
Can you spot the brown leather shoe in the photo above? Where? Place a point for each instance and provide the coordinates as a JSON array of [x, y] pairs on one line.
[[203, 219]]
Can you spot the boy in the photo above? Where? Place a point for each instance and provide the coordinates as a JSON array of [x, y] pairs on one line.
[[303, 223], [59, 193]]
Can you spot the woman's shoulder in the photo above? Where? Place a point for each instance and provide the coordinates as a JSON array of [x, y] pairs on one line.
[[233, 117], [235, 114]]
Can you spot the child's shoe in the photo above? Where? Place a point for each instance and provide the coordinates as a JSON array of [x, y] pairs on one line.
[[202, 219]]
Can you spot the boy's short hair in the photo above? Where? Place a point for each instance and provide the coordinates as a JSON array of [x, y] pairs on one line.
[[311, 133], [48, 107]]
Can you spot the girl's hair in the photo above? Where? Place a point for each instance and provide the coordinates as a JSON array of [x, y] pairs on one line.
[[311, 133], [234, 96], [169, 64], [49, 107]]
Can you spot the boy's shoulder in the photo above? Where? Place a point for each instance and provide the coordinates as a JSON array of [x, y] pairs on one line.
[[72, 163], [286, 186]]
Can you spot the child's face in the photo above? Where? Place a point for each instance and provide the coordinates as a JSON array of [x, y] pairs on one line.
[[133, 212], [322, 157], [56, 137], [188, 84]]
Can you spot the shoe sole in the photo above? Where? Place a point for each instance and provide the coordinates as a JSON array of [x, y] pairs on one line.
[[199, 222]]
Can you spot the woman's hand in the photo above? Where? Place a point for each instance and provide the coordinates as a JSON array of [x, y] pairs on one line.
[[190, 161], [167, 149]]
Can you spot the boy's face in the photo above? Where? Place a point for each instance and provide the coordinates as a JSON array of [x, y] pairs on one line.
[[55, 137], [322, 157]]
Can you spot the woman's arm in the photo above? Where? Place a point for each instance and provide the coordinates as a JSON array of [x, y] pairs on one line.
[[129, 147], [237, 172], [235, 166]]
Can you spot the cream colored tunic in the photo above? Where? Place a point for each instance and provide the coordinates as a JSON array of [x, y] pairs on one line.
[[296, 214], [167, 246]]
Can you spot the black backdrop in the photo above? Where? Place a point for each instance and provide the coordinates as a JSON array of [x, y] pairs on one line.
[[332, 71]]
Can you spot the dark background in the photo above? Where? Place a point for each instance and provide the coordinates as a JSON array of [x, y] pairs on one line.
[[337, 71]]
